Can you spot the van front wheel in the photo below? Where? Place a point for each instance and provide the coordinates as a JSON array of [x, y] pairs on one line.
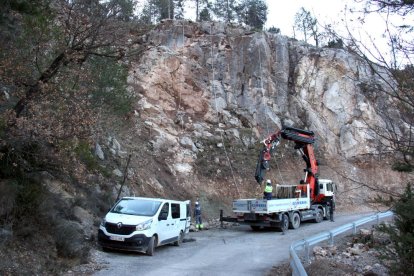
[[151, 246]]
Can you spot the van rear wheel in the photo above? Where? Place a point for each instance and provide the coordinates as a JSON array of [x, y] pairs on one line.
[[180, 239], [151, 246]]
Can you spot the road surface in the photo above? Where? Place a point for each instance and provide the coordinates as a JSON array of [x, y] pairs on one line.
[[233, 251]]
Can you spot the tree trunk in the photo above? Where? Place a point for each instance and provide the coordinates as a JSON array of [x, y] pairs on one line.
[[44, 78]]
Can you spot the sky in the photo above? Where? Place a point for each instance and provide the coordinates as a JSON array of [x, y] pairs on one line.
[[281, 14]]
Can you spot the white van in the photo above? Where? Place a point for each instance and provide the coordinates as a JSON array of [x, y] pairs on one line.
[[141, 224]]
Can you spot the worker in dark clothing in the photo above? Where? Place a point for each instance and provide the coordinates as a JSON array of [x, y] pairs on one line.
[[197, 216], [331, 209], [283, 223], [268, 190]]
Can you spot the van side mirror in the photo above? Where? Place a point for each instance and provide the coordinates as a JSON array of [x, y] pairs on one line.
[[163, 216]]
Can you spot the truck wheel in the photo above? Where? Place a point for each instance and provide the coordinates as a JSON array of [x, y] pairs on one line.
[[180, 239], [285, 225], [319, 216], [255, 228], [151, 246], [295, 221]]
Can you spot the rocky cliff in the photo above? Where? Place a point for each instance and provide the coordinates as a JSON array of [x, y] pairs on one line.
[[207, 93]]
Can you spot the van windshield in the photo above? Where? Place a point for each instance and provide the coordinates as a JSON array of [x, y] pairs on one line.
[[136, 207]]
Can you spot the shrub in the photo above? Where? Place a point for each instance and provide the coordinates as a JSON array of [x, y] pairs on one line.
[[336, 43], [3, 127], [8, 194], [84, 153], [68, 238], [401, 234], [110, 85], [402, 167]]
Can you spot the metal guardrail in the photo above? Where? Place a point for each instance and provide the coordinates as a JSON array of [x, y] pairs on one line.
[[305, 244]]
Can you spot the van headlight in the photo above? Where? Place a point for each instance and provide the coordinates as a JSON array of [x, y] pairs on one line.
[[103, 222], [144, 225]]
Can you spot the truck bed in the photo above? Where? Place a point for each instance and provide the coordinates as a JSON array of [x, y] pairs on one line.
[[263, 206]]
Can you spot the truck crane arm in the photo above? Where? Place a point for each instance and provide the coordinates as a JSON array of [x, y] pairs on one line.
[[304, 141]]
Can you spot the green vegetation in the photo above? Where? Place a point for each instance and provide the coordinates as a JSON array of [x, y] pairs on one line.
[[61, 63], [30, 195], [401, 233], [402, 167], [109, 87], [3, 127], [274, 30], [20, 200], [335, 43], [84, 153]]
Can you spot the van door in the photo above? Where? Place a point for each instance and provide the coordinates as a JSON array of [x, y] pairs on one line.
[[187, 216], [164, 223], [176, 210]]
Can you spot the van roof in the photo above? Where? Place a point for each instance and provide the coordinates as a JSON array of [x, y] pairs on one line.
[[158, 199]]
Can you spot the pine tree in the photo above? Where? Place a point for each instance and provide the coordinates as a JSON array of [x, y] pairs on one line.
[[401, 234], [226, 10], [254, 13]]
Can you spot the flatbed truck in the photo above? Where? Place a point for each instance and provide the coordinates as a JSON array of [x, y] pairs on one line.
[[313, 199]]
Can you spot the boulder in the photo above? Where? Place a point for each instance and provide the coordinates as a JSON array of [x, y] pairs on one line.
[[99, 152]]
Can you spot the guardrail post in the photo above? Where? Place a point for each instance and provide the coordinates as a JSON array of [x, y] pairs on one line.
[[221, 218], [378, 219], [307, 249], [331, 237], [354, 228]]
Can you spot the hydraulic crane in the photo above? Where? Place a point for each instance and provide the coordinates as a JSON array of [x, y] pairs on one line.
[[304, 140]]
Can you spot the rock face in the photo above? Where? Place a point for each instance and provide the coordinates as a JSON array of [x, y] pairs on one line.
[[211, 92]]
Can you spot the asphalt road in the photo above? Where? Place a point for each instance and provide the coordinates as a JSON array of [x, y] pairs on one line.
[[233, 251]]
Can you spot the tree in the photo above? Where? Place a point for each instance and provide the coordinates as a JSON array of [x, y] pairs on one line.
[[91, 28], [203, 10], [401, 7], [156, 10], [274, 30], [179, 9], [396, 132], [253, 13], [205, 15], [165, 9], [60, 63], [307, 25], [401, 233], [335, 43], [126, 9], [393, 97], [149, 13], [226, 10], [48, 71]]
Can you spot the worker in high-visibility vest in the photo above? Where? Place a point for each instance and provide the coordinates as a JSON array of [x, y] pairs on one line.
[[197, 216], [268, 190]]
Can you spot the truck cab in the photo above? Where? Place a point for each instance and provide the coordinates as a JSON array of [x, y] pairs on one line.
[[327, 188]]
